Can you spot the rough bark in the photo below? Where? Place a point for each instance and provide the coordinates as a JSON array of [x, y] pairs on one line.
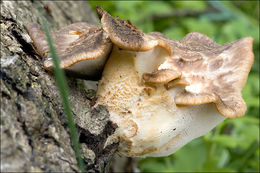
[[34, 132]]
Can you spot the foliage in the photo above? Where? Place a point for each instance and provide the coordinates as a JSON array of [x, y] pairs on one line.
[[233, 146]]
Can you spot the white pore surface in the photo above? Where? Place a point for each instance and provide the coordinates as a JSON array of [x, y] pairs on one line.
[[149, 124]]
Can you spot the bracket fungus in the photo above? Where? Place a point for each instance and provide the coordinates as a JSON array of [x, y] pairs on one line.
[[161, 93]]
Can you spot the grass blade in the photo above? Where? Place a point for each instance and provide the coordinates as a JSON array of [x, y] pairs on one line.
[[63, 88]]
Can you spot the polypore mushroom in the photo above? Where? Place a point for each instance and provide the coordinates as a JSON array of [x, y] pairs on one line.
[[161, 93]]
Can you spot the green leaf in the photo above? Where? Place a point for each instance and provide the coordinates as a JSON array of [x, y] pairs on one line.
[[190, 157], [225, 140], [191, 5], [246, 120], [151, 165], [237, 29], [155, 7], [252, 101], [223, 158], [175, 33], [201, 25]]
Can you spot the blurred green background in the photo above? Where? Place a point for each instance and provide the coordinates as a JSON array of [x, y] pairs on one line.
[[233, 146]]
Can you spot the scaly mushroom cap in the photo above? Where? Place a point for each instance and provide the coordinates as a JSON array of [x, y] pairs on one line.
[[212, 73], [75, 44], [163, 93]]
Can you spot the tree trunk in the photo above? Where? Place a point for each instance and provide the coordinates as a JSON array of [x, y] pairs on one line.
[[34, 132]]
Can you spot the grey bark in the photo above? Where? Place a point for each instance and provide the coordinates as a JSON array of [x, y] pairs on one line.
[[34, 132]]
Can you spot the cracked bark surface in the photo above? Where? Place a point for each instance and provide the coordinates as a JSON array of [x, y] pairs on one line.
[[34, 132]]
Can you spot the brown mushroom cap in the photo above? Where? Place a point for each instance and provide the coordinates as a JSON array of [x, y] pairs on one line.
[[210, 72], [74, 43], [127, 36]]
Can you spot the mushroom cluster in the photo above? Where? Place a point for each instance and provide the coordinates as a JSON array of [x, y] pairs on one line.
[[161, 93]]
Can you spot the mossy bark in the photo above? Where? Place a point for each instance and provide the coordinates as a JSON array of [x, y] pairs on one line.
[[34, 132]]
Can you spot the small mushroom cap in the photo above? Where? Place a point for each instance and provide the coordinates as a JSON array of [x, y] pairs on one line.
[[75, 44], [127, 36]]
